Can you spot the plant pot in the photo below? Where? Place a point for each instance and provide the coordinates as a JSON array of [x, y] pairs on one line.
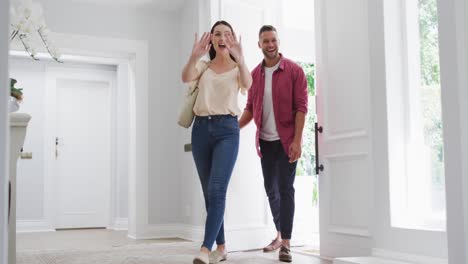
[[13, 104]]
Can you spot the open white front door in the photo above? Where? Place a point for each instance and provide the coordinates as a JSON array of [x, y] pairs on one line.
[[343, 106]]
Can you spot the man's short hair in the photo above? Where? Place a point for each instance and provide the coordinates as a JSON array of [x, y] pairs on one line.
[[266, 28]]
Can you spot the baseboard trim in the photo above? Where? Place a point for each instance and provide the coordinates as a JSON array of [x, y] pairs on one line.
[[383, 256], [30, 226], [366, 260], [192, 233], [412, 258], [119, 224], [188, 232]]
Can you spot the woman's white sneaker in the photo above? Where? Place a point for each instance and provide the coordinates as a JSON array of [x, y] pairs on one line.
[[203, 258], [217, 256]]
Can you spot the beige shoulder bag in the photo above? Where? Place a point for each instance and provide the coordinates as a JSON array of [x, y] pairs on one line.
[[186, 115]]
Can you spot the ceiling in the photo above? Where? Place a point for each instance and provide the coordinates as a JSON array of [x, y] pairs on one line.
[[169, 5]]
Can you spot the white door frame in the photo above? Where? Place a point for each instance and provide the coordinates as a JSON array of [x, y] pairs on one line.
[[52, 73], [453, 41], [4, 129], [131, 58]]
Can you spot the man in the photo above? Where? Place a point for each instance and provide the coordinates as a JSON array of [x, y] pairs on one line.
[[277, 102]]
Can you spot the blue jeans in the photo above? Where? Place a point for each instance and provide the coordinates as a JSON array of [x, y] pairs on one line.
[[278, 179], [215, 144]]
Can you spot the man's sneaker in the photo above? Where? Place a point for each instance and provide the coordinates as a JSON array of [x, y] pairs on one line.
[[285, 254], [217, 256], [203, 258], [274, 245]]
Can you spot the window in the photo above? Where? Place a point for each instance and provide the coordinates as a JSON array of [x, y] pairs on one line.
[[417, 189], [430, 99]]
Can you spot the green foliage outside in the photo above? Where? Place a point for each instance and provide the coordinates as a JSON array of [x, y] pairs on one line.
[[429, 36], [306, 165], [309, 70], [430, 87], [433, 132]]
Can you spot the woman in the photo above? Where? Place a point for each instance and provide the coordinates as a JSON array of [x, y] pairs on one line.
[[215, 132]]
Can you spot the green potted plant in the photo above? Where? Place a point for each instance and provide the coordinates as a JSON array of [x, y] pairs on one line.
[[16, 95]]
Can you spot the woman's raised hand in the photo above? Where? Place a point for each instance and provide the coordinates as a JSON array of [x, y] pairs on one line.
[[235, 48], [202, 46]]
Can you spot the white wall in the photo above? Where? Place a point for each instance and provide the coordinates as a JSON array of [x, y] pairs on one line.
[[159, 29], [123, 148], [297, 30], [453, 32], [463, 98], [30, 173], [192, 207], [164, 93], [4, 96]]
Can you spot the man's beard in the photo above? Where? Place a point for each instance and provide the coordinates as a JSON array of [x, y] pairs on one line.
[[270, 55]]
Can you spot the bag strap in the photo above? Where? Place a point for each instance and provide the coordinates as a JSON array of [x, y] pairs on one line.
[[206, 65], [194, 84]]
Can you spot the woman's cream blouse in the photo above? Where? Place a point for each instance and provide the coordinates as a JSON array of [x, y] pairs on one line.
[[217, 93]]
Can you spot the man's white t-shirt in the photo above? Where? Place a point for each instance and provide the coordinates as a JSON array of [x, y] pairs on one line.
[[268, 131]]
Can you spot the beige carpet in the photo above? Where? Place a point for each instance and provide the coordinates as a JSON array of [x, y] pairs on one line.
[[164, 253]]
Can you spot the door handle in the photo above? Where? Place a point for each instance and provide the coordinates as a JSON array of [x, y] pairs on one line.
[[318, 167]]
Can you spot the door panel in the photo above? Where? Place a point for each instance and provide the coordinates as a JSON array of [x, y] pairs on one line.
[[83, 148], [345, 184]]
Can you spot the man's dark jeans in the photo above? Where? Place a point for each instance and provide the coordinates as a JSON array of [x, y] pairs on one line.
[[278, 176]]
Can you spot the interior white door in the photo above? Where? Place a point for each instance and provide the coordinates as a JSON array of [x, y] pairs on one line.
[[248, 223], [343, 104], [82, 146]]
